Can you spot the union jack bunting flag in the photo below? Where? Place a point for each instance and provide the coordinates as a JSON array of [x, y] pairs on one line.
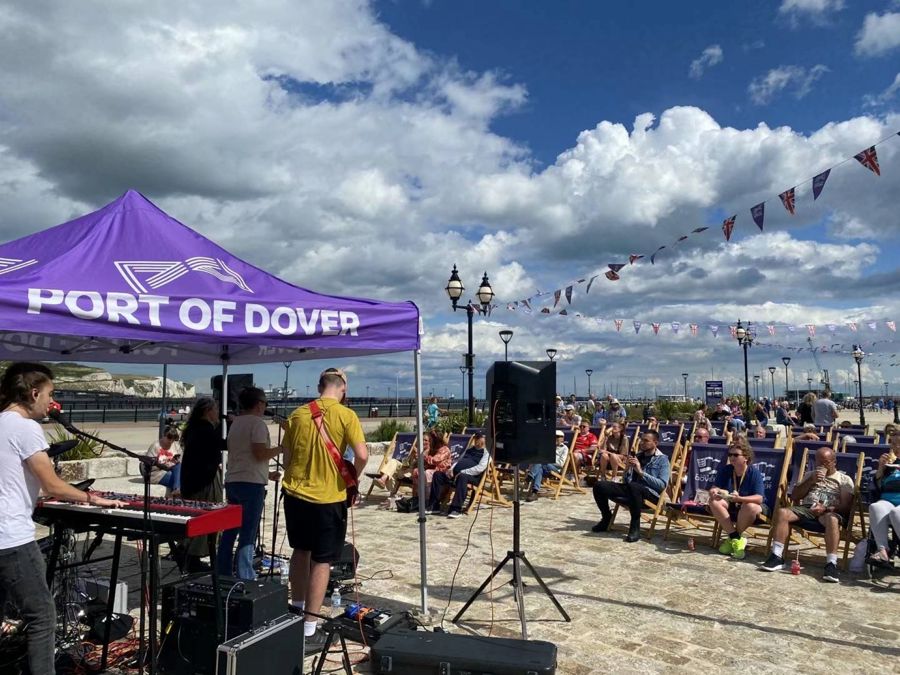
[[655, 327], [694, 329], [892, 326], [787, 198], [852, 326], [819, 182], [618, 323], [869, 159], [771, 328], [698, 230], [733, 331], [759, 214], [633, 257], [812, 329], [728, 227], [612, 276]]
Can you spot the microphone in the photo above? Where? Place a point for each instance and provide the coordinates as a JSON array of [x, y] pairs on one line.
[[60, 448], [55, 415]]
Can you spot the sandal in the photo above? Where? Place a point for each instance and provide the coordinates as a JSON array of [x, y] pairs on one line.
[[879, 559]]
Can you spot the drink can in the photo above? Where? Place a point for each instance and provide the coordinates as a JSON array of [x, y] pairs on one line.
[[691, 545], [795, 566]]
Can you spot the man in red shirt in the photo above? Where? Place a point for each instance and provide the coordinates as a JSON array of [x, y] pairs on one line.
[[585, 444]]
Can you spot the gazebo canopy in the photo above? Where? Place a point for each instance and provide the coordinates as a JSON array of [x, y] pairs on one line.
[[129, 283]]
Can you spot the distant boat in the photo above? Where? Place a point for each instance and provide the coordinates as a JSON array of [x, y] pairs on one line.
[[277, 393]]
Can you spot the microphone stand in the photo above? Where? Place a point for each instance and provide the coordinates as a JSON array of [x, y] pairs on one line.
[[151, 550]]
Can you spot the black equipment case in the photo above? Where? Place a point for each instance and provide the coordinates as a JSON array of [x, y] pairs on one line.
[[426, 653], [275, 648]]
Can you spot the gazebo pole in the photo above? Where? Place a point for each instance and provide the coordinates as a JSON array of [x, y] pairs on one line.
[[420, 460]]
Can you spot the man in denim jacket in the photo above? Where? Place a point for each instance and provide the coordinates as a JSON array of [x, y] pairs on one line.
[[646, 477]]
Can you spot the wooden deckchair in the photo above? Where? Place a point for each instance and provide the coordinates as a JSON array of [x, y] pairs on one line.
[[653, 509], [401, 448]]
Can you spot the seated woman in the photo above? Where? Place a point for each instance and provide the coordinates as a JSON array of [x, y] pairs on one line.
[[886, 511], [737, 498], [613, 449], [810, 433], [436, 455], [168, 469]]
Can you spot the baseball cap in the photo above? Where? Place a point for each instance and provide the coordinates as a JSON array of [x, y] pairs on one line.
[[570, 407], [560, 434]]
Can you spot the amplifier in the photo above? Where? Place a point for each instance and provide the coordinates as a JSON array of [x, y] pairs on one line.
[[275, 648], [188, 615], [426, 653]]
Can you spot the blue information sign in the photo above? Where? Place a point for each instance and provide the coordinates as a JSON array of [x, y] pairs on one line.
[[715, 393]]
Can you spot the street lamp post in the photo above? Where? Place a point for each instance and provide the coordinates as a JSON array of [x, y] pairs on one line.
[[886, 391], [551, 354], [745, 340], [485, 294], [506, 336], [786, 360], [590, 372], [808, 384], [756, 386], [858, 355], [684, 376], [772, 370], [462, 395]]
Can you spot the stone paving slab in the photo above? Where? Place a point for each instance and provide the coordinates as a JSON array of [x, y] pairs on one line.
[[636, 608]]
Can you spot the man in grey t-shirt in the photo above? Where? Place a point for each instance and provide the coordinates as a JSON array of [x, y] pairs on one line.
[[825, 412]]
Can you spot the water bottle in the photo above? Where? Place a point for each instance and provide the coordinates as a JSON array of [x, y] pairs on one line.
[[335, 601], [285, 572]]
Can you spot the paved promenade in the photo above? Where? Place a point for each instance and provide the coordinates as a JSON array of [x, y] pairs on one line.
[[644, 607]]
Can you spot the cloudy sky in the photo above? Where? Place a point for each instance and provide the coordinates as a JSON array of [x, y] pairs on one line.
[[363, 148]]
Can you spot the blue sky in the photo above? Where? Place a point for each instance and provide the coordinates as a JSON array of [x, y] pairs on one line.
[[537, 141]]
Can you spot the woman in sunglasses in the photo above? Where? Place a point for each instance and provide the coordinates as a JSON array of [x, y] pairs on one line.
[[737, 498]]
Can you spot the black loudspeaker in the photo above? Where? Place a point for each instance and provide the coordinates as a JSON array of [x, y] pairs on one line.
[[522, 411], [235, 384]]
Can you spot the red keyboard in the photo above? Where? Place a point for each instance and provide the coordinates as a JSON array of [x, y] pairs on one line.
[[170, 517]]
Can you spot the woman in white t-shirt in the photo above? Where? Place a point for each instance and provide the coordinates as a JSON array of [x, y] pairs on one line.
[[248, 472], [26, 392]]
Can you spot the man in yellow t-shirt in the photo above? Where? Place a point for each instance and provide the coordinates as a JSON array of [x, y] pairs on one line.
[[315, 509]]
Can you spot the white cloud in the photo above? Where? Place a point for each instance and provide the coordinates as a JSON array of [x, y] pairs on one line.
[[885, 97], [710, 57], [797, 79], [879, 34], [817, 11]]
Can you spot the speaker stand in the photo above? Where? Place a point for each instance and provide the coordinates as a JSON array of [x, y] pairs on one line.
[[517, 557]]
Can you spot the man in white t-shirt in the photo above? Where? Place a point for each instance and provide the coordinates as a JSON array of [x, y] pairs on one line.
[[26, 392], [248, 472], [825, 411]]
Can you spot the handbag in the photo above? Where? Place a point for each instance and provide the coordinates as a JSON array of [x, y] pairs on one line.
[[344, 467]]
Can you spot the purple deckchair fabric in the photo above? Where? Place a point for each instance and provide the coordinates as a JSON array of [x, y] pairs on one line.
[[130, 283]]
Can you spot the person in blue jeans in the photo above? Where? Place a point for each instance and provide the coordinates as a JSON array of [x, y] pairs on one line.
[[167, 470], [249, 452], [537, 471]]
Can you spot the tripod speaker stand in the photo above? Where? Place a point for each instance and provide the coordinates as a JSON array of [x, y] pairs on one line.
[[517, 557]]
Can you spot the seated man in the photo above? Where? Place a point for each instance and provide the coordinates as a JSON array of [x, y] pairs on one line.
[[782, 414], [823, 497], [571, 419], [737, 498], [646, 477], [585, 444], [701, 435], [538, 470], [467, 469], [810, 433]]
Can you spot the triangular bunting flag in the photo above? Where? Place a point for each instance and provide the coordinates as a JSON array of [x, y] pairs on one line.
[[812, 329], [759, 214], [616, 267], [564, 312], [588, 289], [612, 276], [694, 329], [891, 325], [653, 257], [698, 230], [819, 182], [682, 238], [727, 227], [832, 328], [787, 198], [637, 327], [675, 327], [633, 257], [733, 331], [545, 310], [715, 331], [872, 325], [852, 326], [557, 294], [618, 323], [869, 159], [771, 328], [791, 329], [655, 327], [569, 294]]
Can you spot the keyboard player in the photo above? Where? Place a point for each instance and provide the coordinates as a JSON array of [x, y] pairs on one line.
[[26, 391]]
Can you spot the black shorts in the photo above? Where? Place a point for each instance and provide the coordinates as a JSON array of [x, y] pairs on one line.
[[317, 528]]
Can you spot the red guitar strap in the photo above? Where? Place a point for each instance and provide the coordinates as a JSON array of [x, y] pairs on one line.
[[342, 466]]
